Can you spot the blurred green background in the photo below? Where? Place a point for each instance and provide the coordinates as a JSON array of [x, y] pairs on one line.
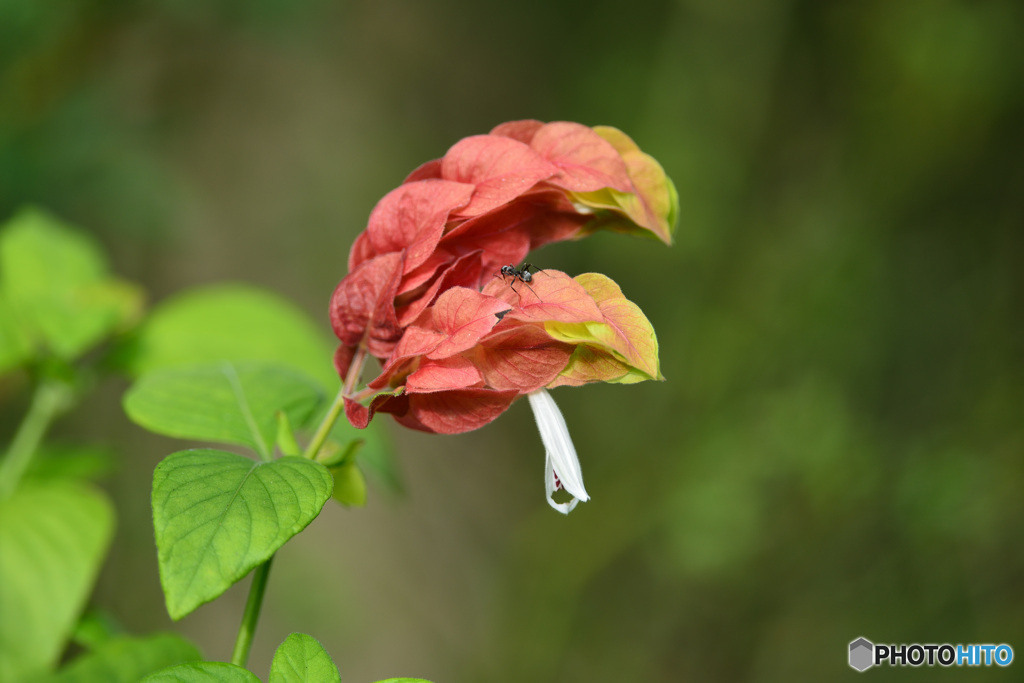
[[837, 450]]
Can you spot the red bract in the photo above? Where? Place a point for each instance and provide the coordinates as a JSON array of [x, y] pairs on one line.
[[363, 309], [454, 357], [488, 202], [467, 357]]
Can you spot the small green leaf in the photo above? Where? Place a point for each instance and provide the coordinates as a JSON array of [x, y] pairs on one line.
[[218, 515], [15, 342], [286, 442], [230, 322], [53, 538], [126, 660], [349, 485], [377, 454], [333, 454], [302, 659], [55, 281], [222, 402], [203, 672], [95, 628]]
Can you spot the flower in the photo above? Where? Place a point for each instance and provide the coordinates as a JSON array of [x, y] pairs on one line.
[[469, 355], [488, 202], [458, 344], [561, 465]]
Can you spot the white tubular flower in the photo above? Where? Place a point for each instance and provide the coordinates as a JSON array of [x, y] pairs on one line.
[[560, 461]]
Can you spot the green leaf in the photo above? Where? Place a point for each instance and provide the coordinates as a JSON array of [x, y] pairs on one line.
[[53, 538], [65, 461], [94, 628], [15, 342], [222, 402], [218, 515], [376, 454], [231, 322], [301, 659], [56, 285], [349, 485], [203, 672], [286, 442], [333, 454], [126, 660]]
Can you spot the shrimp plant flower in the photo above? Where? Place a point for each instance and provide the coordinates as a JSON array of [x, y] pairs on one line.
[[456, 339]]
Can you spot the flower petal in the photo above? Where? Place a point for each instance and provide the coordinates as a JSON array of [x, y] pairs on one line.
[[587, 161], [430, 170], [413, 216], [508, 233], [416, 342], [591, 364], [464, 315], [551, 296], [359, 415], [523, 130], [444, 375], [455, 412], [501, 169], [503, 234], [654, 204], [551, 484], [464, 272], [560, 457], [361, 251], [363, 305], [522, 357], [625, 331]]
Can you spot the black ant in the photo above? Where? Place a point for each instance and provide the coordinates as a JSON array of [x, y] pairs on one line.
[[522, 274]]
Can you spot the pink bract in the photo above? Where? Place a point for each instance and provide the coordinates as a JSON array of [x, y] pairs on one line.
[[457, 345], [472, 352]]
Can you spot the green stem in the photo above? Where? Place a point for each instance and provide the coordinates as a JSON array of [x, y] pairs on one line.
[[252, 614], [355, 370], [247, 629], [325, 427], [49, 400]]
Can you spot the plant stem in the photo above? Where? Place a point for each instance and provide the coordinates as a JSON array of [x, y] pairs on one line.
[[252, 614], [325, 427], [259, 578], [49, 399], [355, 370]]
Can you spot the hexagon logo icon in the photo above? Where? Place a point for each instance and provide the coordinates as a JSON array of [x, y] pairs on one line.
[[862, 654]]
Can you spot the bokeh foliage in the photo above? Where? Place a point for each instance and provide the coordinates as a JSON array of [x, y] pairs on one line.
[[838, 448]]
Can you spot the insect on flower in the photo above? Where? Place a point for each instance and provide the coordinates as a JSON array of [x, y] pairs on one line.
[[455, 350], [522, 274]]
